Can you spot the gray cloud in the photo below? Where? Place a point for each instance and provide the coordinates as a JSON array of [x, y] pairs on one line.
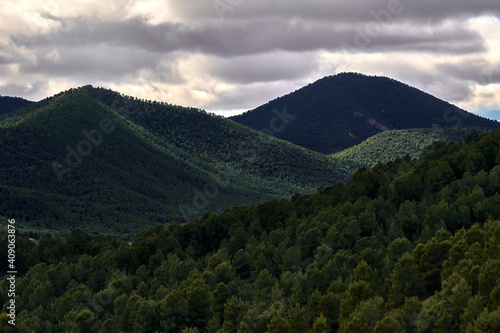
[[30, 92], [258, 36], [186, 53], [476, 70], [268, 67], [340, 11], [99, 61]]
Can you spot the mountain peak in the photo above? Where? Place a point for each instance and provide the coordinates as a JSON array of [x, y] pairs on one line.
[[340, 111]]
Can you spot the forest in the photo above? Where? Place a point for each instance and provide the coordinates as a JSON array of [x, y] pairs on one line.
[[387, 146], [146, 171], [9, 104], [412, 245], [341, 111]]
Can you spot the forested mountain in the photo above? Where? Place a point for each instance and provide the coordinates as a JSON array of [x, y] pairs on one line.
[[389, 145], [9, 104], [116, 165], [411, 246], [338, 112]]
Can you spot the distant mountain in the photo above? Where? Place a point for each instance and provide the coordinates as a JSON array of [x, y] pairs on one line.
[[338, 112], [387, 146], [9, 104], [112, 164]]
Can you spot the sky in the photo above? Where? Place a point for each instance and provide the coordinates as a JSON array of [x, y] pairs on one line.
[[229, 56]]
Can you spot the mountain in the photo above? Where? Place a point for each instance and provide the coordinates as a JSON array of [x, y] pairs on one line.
[[116, 165], [411, 246], [9, 104], [389, 145], [338, 112]]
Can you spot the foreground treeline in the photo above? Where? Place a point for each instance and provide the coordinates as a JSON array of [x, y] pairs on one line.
[[411, 246]]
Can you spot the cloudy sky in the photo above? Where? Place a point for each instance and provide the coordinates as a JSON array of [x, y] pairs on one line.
[[233, 55]]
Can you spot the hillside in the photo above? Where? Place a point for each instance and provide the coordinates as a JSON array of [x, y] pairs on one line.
[[389, 145], [9, 104], [115, 165], [341, 111], [411, 246]]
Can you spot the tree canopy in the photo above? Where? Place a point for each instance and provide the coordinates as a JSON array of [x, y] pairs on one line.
[[412, 245]]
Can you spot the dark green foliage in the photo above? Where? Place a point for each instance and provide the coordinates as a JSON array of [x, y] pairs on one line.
[[9, 104], [428, 263], [387, 146], [150, 163], [338, 112], [163, 162]]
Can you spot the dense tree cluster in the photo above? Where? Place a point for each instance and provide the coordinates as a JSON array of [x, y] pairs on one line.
[[152, 163], [410, 246], [219, 141], [387, 146], [9, 104], [338, 112]]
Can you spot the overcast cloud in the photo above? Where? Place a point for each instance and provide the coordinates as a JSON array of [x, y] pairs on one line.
[[233, 55]]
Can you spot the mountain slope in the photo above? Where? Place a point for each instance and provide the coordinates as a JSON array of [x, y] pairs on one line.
[[340, 111], [412, 246], [222, 142], [116, 165], [9, 104], [389, 145]]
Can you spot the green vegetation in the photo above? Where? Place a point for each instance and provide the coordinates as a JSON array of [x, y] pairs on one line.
[[117, 165], [387, 146], [410, 246], [161, 162], [341, 111], [9, 104]]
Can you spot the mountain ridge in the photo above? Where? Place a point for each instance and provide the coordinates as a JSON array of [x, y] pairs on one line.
[[340, 111], [140, 163], [410, 246], [9, 104]]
